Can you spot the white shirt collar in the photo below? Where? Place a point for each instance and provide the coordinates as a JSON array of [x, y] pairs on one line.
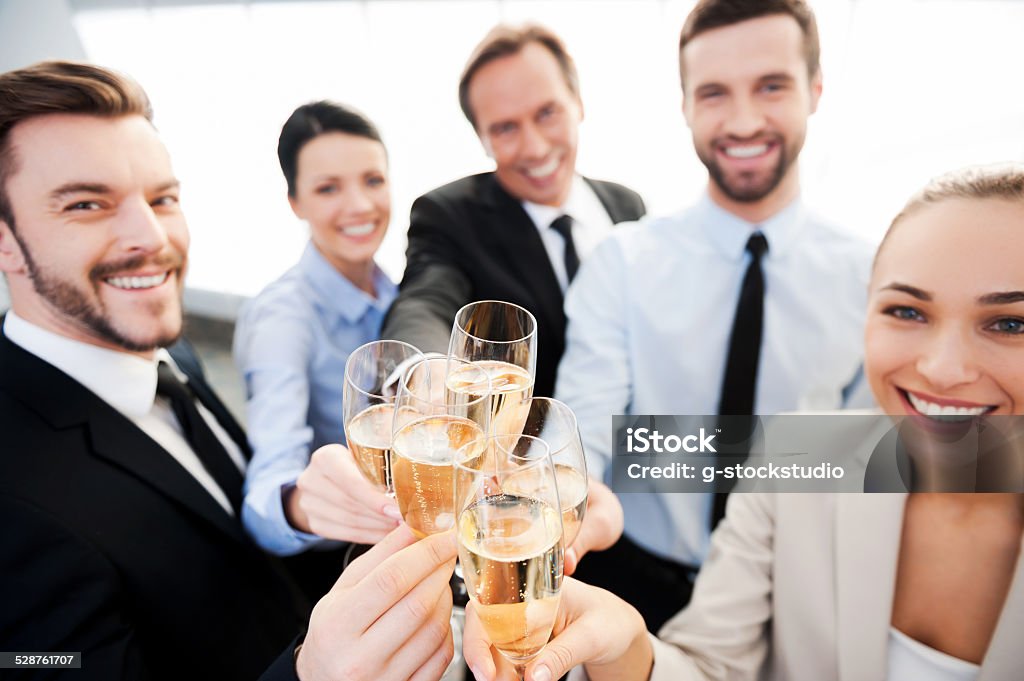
[[576, 205], [729, 233], [125, 381]]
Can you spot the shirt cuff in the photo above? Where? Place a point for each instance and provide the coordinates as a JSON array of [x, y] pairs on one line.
[[264, 519]]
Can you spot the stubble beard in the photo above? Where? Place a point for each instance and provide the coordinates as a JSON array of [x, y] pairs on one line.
[[751, 191], [71, 301]]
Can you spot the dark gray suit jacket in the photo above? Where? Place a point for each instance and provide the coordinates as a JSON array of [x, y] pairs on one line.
[[470, 240]]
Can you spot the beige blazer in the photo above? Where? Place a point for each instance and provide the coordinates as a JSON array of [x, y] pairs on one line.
[[800, 587]]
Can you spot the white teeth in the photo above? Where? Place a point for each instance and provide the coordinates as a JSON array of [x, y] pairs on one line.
[[746, 152], [936, 410], [138, 282], [544, 170], [358, 230]]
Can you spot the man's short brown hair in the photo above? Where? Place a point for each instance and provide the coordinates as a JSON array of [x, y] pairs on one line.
[[504, 40], [60, 87], [711, 14]]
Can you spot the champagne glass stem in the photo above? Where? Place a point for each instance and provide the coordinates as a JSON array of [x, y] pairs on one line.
[[520, 668]]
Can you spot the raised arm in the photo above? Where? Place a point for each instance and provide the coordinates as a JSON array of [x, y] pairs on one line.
[[434, 286]]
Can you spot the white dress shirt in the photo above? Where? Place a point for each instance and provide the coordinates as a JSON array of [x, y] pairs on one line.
[[127, 383], [650, 314], [910, 660], [590, 225]]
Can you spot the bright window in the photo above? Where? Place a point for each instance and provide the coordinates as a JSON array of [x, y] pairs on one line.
[[912, 88]]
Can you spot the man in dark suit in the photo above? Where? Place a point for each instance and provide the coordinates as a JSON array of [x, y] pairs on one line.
[[502, 235], [120, 470]]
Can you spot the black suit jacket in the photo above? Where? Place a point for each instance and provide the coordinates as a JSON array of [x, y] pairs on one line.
[[111, 548], [470, 240]]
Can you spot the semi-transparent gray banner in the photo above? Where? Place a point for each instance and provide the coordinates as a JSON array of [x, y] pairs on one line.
[[817, 453]]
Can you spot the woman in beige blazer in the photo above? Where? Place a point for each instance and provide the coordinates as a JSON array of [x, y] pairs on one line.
[[864, 587]]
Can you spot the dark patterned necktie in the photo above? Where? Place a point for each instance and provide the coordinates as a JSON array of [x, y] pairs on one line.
[[200, 437]]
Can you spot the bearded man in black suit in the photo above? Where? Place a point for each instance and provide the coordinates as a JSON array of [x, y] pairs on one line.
[[516, 234], [120, 470]]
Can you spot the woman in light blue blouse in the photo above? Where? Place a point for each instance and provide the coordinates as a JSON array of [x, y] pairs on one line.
[[293, 339]]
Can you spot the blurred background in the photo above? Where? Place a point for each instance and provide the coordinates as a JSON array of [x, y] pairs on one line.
[[912, 88]]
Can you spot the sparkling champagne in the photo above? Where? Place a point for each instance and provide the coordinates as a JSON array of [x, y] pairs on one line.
[[511, 390], [572, 494], [511, 552], [369, 438], [421, 467]]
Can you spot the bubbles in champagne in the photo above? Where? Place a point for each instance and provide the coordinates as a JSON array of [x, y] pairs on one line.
[[421, 468], [368, 435], [511, 389], [511, 551], [572, 494]]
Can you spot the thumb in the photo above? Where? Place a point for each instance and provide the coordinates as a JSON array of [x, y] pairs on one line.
[[476, 647], [560, 655]]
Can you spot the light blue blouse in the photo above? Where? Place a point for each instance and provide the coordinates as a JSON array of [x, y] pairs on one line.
[[291, 345]]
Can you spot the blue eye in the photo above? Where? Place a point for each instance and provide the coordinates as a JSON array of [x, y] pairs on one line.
[[326, 189], [1012, 326], [84, 205], [375, 181], [904, 312]]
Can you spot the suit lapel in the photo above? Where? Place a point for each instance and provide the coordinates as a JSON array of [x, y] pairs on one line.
[[612, 205], [119, 442], [524, 250], [1003, 659], [64, 403], [868, 529]]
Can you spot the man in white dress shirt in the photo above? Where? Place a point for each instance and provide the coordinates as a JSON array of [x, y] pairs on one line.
[[663, 307], [121, 472]]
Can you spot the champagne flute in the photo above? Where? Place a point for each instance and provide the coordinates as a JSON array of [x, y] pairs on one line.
[[431, 429], [510, 543], [501, 339], [555, 423], [368, 404]]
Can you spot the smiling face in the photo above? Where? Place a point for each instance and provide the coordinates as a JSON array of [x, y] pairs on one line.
[[342, 191], [101, 246], [528, 121], [747, 97], [945, 325]]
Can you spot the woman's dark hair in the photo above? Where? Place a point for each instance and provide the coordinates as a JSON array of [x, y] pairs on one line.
[[315, 119]]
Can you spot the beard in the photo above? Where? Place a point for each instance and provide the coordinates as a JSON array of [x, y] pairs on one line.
[[747, 186], [88, 311]]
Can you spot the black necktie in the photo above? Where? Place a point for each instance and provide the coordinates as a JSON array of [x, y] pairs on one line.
[[739, 384], [204, 443], [740, 381], [563, 225]]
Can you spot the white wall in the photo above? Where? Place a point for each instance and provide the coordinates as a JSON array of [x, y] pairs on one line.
[[33, 30], [912, 88]]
